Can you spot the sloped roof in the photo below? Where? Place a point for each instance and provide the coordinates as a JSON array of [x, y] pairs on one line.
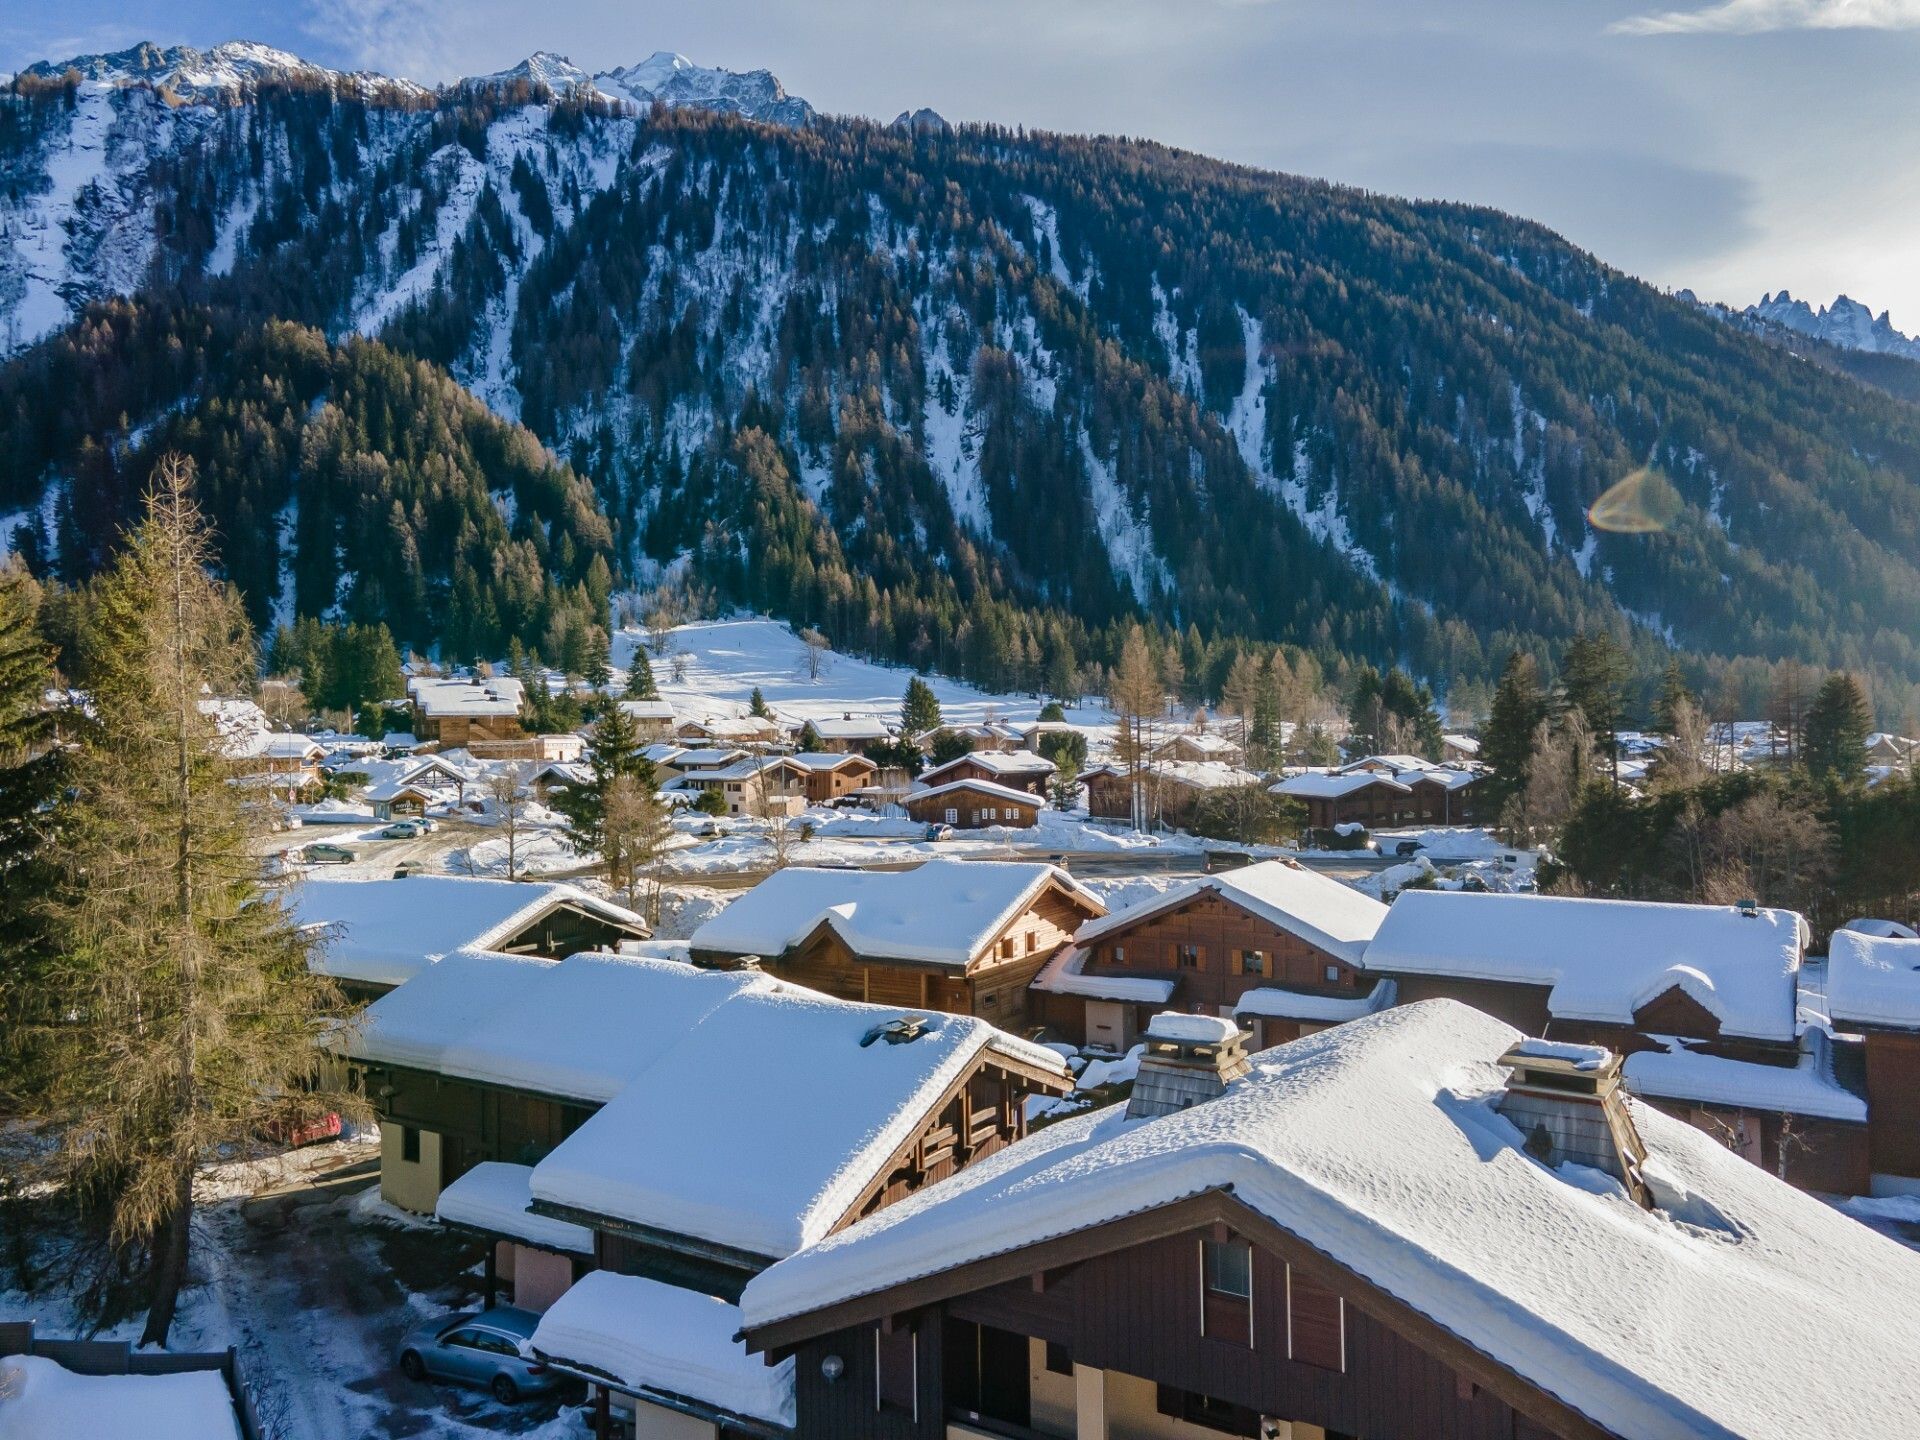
[[811, 1105], [994, 762], [382, 932], [941, 913], [991, 789], [1378, 1144], [1873, 980], [1331, 916], [1604, 959], [1318, 785]]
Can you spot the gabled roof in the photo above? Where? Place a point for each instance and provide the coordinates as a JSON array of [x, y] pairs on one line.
[[1331, 916], [382, 932], [851, 727], [1378, 1145], [1873, 980], [991, 789], [1604, 959], [942, 913], [809, 760], [1318, 785], [440, 697], [994, 762], [812, 1104], [647, 709]]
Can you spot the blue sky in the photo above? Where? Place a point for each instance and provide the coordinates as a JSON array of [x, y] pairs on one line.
[[1735, 147]]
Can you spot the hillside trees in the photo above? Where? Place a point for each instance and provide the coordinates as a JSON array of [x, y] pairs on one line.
[[1837, 724]]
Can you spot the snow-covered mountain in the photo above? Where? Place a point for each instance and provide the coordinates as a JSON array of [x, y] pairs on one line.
[[85, 197], [1846, 323]]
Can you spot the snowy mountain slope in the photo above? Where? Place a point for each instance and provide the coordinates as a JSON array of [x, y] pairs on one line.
[[1846, 323]]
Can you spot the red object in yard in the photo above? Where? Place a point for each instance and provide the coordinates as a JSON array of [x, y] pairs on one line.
[[327, 1127]]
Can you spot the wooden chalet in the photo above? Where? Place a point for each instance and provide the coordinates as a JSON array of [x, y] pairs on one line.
[[1015, 770], [974, 805], [589, 1120], [453, 712], [1289, 938], [1171, 791], [1873, 990], [851, 734], [1701, 999], [1384, 792], [1217, 1270], [376, 934], [654, 719], [963, 937], [834, 776]]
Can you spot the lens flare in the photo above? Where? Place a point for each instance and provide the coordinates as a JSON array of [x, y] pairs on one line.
[[1642, 503]]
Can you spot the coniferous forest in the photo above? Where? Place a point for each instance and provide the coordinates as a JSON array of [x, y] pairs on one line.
[[973, 399]]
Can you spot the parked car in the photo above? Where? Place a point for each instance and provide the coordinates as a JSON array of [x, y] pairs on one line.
[[485, 1347], [427, 825], [1407, 848], [939, 832], [402, 830], [323, 854]]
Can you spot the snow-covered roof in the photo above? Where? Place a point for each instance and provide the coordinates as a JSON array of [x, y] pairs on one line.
[[1885, 929], [39, 1397], [661, 1339], [1317, 785], [1465, 744], [382, 932], [1204, 743], [1396, 763], [1740, 1306], [1063, 975], [493, 1197], [992, 790], [1604, 959], [579, 1029], [663, 752], [1192, 1029], [440, 697], [1873, 980], [1272, 1003], [812, 1105], [647, 710], [811, 760], [1203, 774], [1331, 916], [1681, 1071], [851, 728], [940, 913], [994, 762], [706, 758]]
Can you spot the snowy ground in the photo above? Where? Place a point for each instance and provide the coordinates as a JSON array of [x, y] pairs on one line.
[[722, 661], [300, 1266]]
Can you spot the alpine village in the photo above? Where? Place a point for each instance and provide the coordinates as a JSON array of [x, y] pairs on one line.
[[682, 768]]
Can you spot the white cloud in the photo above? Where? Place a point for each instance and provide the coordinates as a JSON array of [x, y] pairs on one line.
[[397, 37], [1753, 17]]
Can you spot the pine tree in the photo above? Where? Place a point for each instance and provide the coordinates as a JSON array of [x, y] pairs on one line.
[[640, 684], [613, 751], [810, 742], [920, 710], [32, 779], [757, 704], [1838, 722], [599, 668], [1669, 706], [1506, 746], [1593, 673], [179, 1022]]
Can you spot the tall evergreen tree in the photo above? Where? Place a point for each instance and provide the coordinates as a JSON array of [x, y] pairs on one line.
[[757, 704], [613, 751], [1838, 722], [1506, 745], [32, 778], [1594, 673], [920, 710], [640, 684], [180, 1019]]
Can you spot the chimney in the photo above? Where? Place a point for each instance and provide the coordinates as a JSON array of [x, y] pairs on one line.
[[1190, 1058], [721, 960], [1566, 1100]]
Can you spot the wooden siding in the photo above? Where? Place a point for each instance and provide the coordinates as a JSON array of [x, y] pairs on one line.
[[1221, 930], [972, 810], [1137, 1311], [1522, 1006], [1893, 1102]]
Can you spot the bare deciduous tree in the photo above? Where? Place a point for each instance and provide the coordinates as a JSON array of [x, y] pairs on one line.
[[635, 830], [814, 660], [507, 794]]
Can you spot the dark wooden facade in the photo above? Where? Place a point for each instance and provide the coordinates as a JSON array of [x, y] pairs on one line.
[[1313, 1343], [475, 1121], [1214, 951], [1893, 1102], [1384, 806], [969, 809], [968, 768], [993, 984]]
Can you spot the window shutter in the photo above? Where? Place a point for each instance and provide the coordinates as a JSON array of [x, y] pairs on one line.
[[1316, 1323]]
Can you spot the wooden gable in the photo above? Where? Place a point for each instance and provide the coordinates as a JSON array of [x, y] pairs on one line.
[[1674, 1012]]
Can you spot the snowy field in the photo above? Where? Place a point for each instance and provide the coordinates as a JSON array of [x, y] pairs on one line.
[[724, 660]]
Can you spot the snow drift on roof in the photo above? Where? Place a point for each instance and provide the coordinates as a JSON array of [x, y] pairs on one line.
[[810, 1116], [990, 789], [994, 762], [493, 1197], [1331, 916], [41, 1398], [1680, 1072], [1604, 958], [382, 932], [661, 1338], [1062, 975], [1317, 786], [1378, 1143], [1873, 980], [1192, 1029], [940, 913], [1272, 1003]]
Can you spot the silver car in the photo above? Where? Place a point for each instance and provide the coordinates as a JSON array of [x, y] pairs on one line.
[[486, 1347]]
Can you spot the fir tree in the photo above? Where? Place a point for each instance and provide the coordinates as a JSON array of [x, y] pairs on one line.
[[613, 751], [810, 742], [1594, 674], [32, 779], [757, 704], [640, 684], [1506, 746], [181, 1018], [1838, 722], [920, 710]]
